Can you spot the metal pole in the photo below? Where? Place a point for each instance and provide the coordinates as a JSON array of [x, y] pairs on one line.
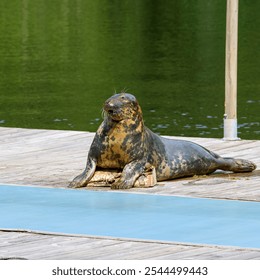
[[230, 116]]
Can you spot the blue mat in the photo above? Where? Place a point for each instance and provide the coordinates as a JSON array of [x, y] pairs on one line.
[[127, 215]]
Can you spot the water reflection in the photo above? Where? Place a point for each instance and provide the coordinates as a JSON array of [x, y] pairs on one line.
[[59, 61]]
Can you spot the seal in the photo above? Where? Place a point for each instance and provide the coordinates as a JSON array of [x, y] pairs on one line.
[[124, 143]]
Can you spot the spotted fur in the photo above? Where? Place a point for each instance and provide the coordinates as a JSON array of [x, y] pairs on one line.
[[123, 142]]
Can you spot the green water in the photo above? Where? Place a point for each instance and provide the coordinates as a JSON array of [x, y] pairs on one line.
[[61, 59]]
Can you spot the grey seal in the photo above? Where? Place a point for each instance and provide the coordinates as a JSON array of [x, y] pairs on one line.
[[123, 142]]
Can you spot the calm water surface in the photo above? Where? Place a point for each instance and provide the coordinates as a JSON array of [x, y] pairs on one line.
[[60, 60]]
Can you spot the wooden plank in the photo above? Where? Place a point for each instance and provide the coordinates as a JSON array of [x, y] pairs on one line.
[[53, 158], [39, 246]]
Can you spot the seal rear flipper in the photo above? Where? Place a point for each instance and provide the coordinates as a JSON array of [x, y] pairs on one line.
[[238, 165]]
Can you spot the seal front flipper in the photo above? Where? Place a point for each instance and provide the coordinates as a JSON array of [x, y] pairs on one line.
[[130, 173], [82, 179]]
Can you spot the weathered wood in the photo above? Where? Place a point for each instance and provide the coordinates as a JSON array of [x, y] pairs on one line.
[[53, 158], [35, 246], [106, 178], [230, 117]]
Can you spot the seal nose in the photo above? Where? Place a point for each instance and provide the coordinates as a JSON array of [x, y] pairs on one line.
[[109, 107]]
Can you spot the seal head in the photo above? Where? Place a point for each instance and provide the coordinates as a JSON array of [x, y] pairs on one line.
[[121, 106]]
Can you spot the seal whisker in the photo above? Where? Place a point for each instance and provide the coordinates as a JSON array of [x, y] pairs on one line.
[[124, 90], [103, 114]]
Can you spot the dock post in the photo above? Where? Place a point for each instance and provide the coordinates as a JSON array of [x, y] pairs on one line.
[[230, 116]]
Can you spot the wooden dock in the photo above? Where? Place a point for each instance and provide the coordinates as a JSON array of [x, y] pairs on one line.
[[52, 158]]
